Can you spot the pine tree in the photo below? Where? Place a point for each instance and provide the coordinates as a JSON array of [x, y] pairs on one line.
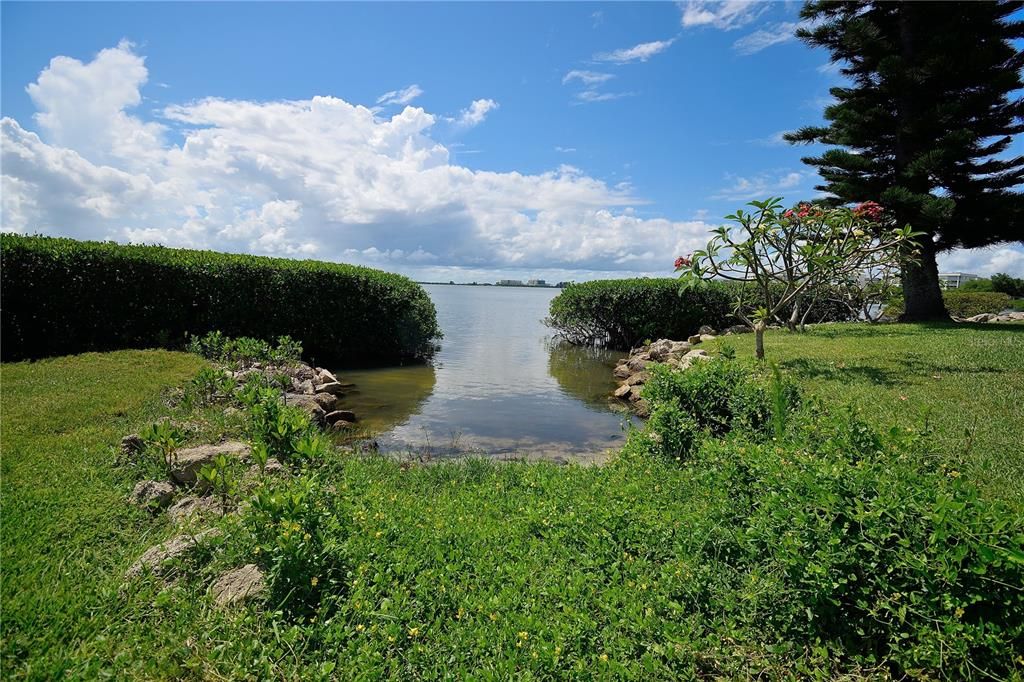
[[924, 125]]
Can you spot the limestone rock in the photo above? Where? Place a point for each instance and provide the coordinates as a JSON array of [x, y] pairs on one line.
[[704, 338], [238, 585], [152, 494], [303, 387], [635, 393], [340, 415], [161, 559], [189, 461], [680, 347], [325, 377], [308, 404], [332, 387], [622, 371], [191, 507], [623, 391], [660, 350], [638, 379], [131, 445], [638, 364], [705, 329], [738, 329], [694, 340], [326, 401]]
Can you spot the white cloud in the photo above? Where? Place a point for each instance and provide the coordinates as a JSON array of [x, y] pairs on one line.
[[637, 53], [1008, 258], [587, 77], [318, 177], [830, 68], [588, 96], [727, 15], [565, 150], [773, 34], [475, 113], [403, 96], [760, 186]]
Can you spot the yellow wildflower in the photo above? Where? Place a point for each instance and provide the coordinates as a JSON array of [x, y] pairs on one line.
[[314, 580], [414, 632]]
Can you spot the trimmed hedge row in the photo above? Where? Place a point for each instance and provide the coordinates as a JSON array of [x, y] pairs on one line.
[[962, 303], [622, 313], [61, 296]]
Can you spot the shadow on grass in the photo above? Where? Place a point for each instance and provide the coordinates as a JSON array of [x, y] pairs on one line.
[[806, 368], [862, 330]]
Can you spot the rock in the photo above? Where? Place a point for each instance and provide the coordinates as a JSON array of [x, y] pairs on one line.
[[738, 329], [231, 412], [152, 494], [326, 401], [332, 387], [271, 468], [635, 393], [188, 461], [705, 329], [694, 340], [131, 445], [340, 415], [622, 371], [704, 338], [191, 507], [637, 364], [302, 372], [983, 317], [696, 354], [642, 409], [342, 425], [308, 404], [325, 377], [660, 349], [638, 379], [238, 585], [680, 347], [623, 391], [303, 387], [161, 559]]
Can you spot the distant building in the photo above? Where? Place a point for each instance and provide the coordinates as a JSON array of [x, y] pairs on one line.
[[954, 280], [510, 283], [536, 283]]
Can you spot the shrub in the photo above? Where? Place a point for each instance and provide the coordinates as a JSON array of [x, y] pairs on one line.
[[962, 303], [622, 313], [63, 296]]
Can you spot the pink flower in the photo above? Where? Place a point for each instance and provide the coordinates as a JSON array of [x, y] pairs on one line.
[[788, 214], [869, 210], [682, 261]]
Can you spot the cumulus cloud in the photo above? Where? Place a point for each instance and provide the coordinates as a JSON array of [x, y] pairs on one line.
[[587, 77], [318, 177], [637, 53], [474, 114], [403, 96], [1008, 258], [774, 34], [727, 15]]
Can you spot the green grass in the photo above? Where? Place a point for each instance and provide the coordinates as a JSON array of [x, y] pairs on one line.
[[966, 381], [472, 569]]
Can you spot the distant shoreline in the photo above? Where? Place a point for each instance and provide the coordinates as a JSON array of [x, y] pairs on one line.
[[560, 285]]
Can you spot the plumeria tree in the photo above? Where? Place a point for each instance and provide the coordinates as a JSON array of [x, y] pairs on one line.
[[781, 256]]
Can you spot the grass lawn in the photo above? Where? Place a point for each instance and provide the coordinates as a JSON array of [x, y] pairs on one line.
[[967, 381], [461, 570]]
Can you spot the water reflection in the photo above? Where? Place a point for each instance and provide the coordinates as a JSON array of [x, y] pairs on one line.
[[497, 386]]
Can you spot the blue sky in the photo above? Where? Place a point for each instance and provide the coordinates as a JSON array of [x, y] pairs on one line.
[[445, 141]]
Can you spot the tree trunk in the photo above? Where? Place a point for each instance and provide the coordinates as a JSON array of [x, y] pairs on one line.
[[759, 338], [922, 296]]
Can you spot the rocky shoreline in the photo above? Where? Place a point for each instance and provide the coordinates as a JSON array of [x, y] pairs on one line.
[[185, 499], [632, 370]]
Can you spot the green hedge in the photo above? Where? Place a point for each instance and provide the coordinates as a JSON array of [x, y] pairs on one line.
[[625, 312], [622, 313], [62, 296], [962, 303]]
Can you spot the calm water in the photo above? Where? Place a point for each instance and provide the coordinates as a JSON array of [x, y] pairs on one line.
[[499, 385]]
